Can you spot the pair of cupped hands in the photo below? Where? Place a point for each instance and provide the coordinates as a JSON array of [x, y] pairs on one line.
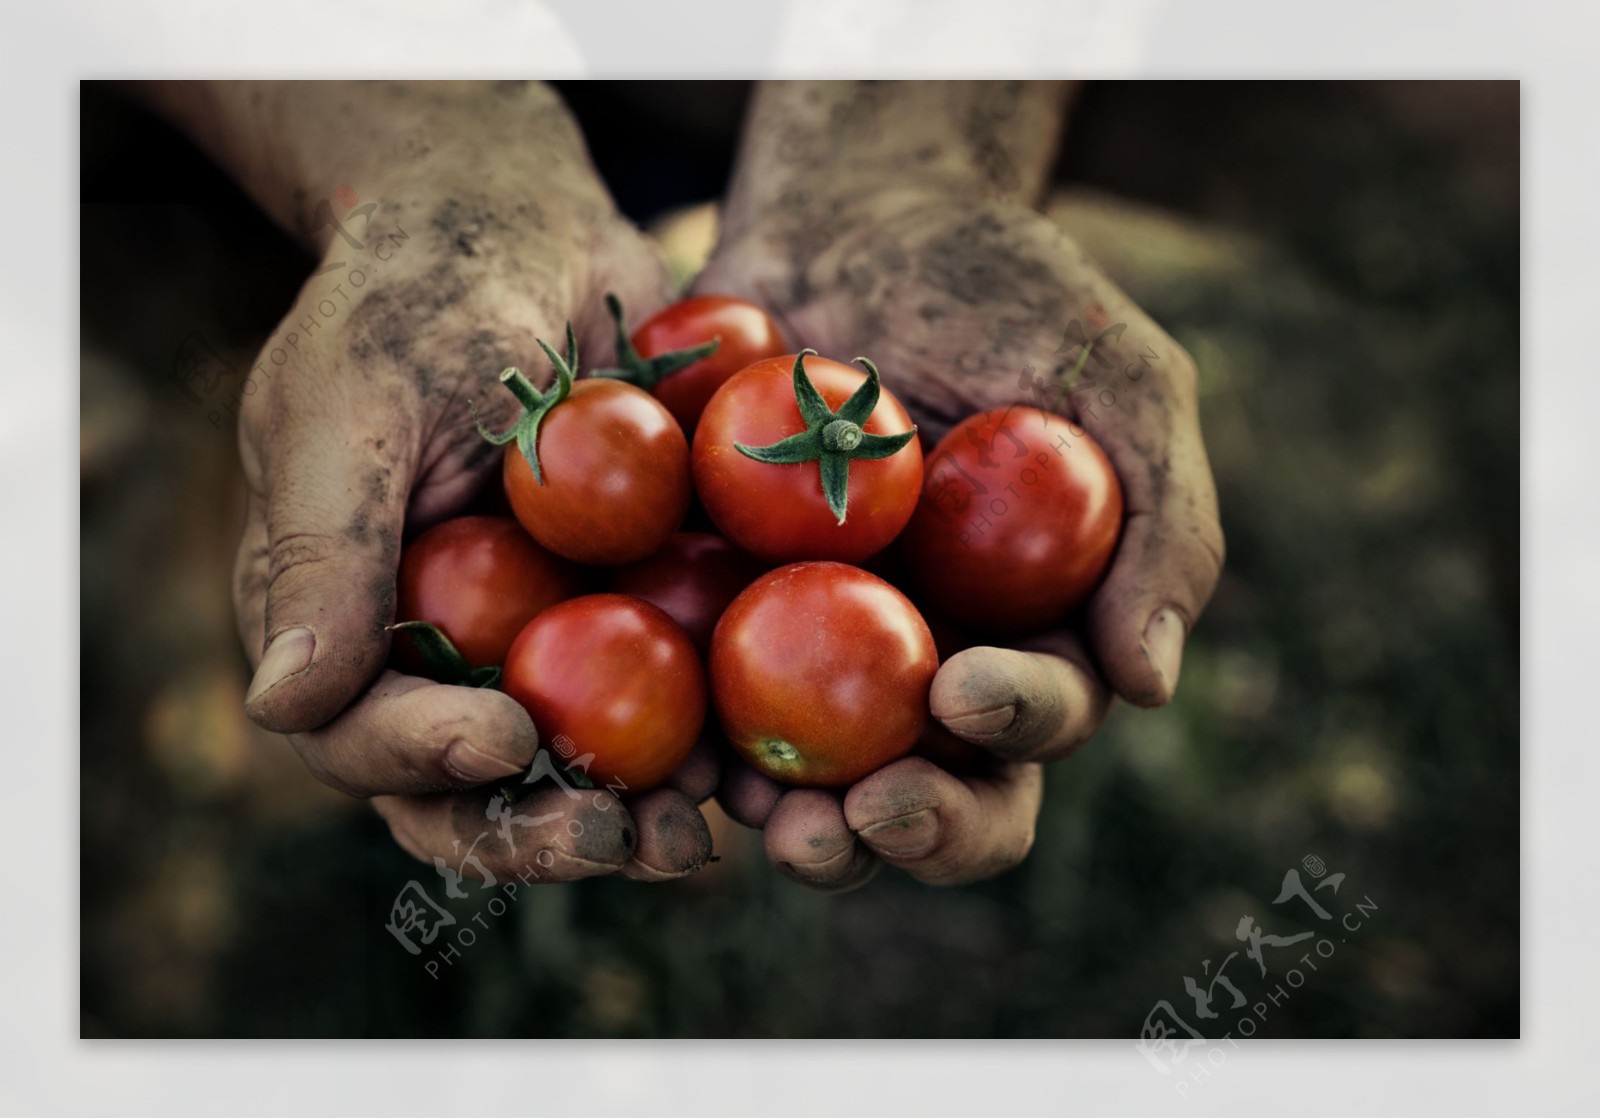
[[368, 433]]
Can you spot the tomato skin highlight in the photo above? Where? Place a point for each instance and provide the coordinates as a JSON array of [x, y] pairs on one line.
[[820, 674], [1018, 522], [779, 513], [616, 476], [613, 676], [479, 580], [693, 579], [747, 335]]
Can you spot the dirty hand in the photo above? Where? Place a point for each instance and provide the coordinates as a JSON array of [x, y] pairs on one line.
[[968, 299], [465, 222]]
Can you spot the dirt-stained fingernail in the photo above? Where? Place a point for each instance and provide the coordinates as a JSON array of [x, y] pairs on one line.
[[469, 763], [852, 867], [598, 837], [288, 653], [1163, 647], [907, 837], [674, 838], [982, 724]]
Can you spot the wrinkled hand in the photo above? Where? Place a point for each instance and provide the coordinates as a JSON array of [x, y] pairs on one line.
[[367, 430], [964, 306]]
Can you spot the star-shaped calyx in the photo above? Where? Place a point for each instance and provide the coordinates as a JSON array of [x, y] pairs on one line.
[[832, 439], [647, 372]]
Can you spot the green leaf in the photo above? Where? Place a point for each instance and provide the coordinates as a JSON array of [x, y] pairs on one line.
[[499, 439], [836, 482], [803, 447], [636, 370], [664, 365], [562, 367], [577, 778], [485, 677], [882, 446], [864, 399], [813, 409], [528, 443], [626, 354], [442, 660]]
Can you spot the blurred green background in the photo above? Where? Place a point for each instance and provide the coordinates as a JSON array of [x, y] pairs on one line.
[[1341, 259]]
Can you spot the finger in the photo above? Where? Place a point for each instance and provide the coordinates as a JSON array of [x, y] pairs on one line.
[[674, 839], [324, 554], [1021, 705], [945, 830], [632, 268], [1171, 552], [808, 840], [697, 777], [747, 796], [410, 735], [551, 835]]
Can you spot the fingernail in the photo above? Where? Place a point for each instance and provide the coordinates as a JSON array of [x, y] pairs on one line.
[[993, 721], [858, 870], [1163, 646], [289, 652], [471, 764], [908, 836]]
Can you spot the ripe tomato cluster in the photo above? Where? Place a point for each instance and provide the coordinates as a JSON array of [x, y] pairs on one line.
[[618, 630]]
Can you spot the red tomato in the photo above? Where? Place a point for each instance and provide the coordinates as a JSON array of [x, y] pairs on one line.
[[1018, 521], [479, 580], [745, 332], [820, 673], [779, 511], [693, 579], [610, 676], [616, 475]]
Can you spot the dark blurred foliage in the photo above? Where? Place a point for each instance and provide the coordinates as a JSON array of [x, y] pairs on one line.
[[1343, 262]]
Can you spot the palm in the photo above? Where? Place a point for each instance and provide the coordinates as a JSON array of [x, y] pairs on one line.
[[966, 307]]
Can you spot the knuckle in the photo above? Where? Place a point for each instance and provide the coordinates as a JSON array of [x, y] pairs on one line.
[[297, 552], [1042, 719], [1008, 853], [1183, 371], [258, 409], [249, 581], [1207, 536], [249, 595], [1215, 541], [1020, 847], [1074, 739], [321, 766]]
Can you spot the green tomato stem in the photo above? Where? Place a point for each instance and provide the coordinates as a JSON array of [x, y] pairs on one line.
[[535, 404], [842, 435]]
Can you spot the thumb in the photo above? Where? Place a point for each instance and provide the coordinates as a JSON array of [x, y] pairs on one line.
[[320, 555], [1170, 556]]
